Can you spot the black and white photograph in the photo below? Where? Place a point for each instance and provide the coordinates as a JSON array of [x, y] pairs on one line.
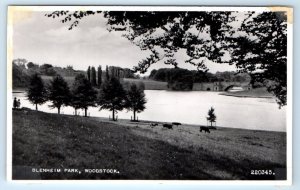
[[149, 93]]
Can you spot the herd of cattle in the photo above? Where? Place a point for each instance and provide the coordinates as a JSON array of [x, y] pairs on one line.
[[170, 126]]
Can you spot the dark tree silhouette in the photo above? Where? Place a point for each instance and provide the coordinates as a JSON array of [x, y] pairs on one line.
[[258, 44], [135, 100], [263, 52], [93, 77], [36, 93], [83, 94], [107, 73], [112, 96], [99, 76], [59, 93], [89, 74], [211, 116]]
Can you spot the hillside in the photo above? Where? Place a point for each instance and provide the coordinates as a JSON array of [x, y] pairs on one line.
[[43, 140]]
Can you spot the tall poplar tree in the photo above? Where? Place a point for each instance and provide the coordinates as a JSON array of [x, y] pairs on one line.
[[89, 74], [93, 77], [99, 76]]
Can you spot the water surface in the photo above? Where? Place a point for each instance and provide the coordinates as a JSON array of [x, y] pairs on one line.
[[192, 107]]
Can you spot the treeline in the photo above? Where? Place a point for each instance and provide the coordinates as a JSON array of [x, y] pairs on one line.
[[183, 79], [81, 95], [22, 70], [168, 74]]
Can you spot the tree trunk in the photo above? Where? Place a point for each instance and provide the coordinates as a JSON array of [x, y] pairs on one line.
[[113, 114], [36, 107], [58, 110], [75, 111], [85, 112], [133, 115]]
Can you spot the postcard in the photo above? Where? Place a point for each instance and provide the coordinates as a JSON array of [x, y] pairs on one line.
[[155, 93]]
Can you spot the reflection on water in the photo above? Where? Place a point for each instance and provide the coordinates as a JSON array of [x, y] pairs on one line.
[[192, 107]]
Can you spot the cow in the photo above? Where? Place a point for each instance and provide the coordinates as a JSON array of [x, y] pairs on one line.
[[205, 129], [153, 124], [169, 126], [176, 123]]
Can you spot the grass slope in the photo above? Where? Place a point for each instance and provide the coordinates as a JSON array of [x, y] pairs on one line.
[[43, 140], [149, 84], [253, 93]]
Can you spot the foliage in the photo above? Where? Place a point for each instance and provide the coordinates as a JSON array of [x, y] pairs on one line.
[[211, 115], [93, 77], [36, 92], [180, 79], [106, 73], [83, 94], [47, 69], [33, 66], [112, 96], [59, 93], [183, 79], [99, 76], [263, 51], [89, 74], [20, 76], [257, 46], [135, 100]]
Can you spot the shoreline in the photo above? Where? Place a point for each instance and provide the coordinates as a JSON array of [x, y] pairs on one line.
[[244, 96], [146, 123], [186, 125]]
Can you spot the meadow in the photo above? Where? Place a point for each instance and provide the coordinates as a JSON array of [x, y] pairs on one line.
[[138, 151]]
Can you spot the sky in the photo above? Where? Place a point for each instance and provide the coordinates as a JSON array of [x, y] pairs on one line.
[[40, 39]]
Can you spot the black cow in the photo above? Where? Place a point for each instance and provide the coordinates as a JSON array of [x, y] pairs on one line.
[[176, 123], [205, 129], [153, 124], [169, 126]]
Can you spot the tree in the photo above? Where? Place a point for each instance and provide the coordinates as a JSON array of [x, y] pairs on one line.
[[36, 92], [83, 94], [263, 51], [59, 93], [257, 44], [107, 73], [211, 116], [21, 78], [135, 100], [99, 76], [112, 96], [93, 77], [89, 74], [47, 69]]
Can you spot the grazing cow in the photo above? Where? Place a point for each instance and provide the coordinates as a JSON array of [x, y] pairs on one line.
[[205, 129], [176, 123], [153, 124], [169, 126]]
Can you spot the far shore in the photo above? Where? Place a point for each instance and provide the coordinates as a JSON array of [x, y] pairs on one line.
[[253, 93]]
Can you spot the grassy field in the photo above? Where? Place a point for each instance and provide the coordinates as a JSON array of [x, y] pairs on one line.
[[138, 151], [254, 93], [149, 84], [69, 80]]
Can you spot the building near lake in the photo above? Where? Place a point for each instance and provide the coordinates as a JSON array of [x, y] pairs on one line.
[[221, 86]]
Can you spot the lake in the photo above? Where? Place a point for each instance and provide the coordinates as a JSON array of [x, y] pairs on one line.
[[192, 107]]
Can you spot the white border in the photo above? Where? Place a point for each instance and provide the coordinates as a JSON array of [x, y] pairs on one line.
[[153, 8]]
